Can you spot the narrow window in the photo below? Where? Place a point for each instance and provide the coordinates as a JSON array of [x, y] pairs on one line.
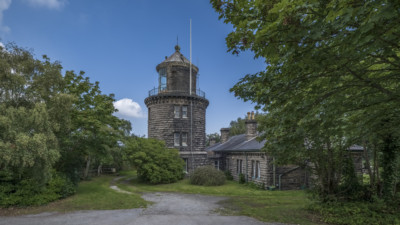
[[185, 169], [184, 111], [177, 111], [216, 164], [237, 166], [163, 80], [258, 175], [184, 139], [176, 139], [253, 169], [240, 166]]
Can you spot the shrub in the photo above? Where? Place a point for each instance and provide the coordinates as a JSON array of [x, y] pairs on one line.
[[28, 192], [155, 163], [228, 175], [242, 178], [207, 176]]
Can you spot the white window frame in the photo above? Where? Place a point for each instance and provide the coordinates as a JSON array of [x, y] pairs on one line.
[[186, 165], [184, 111], [162, 79], [177, 139], [253, 169], [258, 175], [177, 111], [184, 139]]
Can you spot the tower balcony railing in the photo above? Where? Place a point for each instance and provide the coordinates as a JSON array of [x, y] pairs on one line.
[[157, 91]]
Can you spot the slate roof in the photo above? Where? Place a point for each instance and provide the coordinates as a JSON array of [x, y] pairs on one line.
[[177, 56], [237, 143]]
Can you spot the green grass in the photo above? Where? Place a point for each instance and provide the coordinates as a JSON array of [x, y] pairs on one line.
[[91, 195], [270, 206]]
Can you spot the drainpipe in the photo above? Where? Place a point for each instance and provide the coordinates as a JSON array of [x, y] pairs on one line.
[[247, 174], [286, 173]]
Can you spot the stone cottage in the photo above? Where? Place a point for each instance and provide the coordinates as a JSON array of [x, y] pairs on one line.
[[242, 154]]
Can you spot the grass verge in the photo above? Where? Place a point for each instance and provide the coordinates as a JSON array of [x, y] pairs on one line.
[[91, 195]]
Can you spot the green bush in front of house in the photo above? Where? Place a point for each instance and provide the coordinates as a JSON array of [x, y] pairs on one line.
[[155, 163], [207, 176]]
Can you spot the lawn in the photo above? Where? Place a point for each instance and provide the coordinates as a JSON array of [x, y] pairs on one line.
[[270, 206], [91, 195]]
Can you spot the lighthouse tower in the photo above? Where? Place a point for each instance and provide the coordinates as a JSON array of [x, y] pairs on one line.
[[177, 110]]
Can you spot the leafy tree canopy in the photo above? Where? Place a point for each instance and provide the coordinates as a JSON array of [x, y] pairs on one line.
[[332, 78]]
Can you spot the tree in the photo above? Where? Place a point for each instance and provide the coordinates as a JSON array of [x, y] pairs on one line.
[[155, 163], [215, 136], [332, 78]]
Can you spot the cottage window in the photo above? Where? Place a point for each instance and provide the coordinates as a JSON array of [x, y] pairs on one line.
[[177, 111], [184, 139], [258, 169], [253, 169], [185, 168], [216, 164], [239, 164], [184, 111], [176, 139]]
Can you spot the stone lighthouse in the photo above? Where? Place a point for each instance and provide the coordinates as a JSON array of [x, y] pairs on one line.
[[177, 110]]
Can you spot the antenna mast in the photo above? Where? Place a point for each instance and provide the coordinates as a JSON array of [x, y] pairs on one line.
[[191, 100]]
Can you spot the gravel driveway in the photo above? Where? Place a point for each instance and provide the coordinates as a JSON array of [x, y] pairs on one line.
[[168, 209]]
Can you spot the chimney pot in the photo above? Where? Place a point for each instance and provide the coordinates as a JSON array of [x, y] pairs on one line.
[[224, 134]]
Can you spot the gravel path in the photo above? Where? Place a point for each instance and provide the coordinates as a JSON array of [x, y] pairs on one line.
[[168, 209]]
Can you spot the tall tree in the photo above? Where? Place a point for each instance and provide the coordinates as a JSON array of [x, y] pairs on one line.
[[332, 75]]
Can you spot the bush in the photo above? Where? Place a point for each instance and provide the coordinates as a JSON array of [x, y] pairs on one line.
[[155, 163], [207, 176], [29, 192], [228, 175], [242, 178]]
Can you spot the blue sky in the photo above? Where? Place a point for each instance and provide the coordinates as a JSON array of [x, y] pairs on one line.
[[120, 42]]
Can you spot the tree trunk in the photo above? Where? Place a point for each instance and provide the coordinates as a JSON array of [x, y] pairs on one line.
[[366, 157], [99, 171], [85, 175]]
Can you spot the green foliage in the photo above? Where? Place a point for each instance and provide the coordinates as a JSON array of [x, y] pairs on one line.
[[215, 136], [356, 213], [49, 121], [242, 178], [228, 175], [30, 192], [155, 163], [207, 176], [331, 80]]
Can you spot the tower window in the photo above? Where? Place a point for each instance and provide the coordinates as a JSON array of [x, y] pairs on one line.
[[177, 111], [184, 139], [176, 139], [163, 79], [184, 111]]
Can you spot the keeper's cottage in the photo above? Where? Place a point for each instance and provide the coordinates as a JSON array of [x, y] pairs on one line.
[[177, 109]]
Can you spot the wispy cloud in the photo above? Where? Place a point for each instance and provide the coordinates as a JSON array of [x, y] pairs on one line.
[[128, 108], [4, 5], [51, 4]]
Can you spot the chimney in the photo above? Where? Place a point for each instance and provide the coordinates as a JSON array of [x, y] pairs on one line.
[[212, 141], [224, 134], [251, 126]]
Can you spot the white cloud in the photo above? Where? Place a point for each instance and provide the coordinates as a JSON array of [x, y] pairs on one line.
[[51, 4], [4, 5], [128, 108]]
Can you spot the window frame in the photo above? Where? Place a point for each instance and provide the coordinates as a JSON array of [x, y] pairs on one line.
[[184, 115], [184, 139], [177, 111], [177, 137]]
